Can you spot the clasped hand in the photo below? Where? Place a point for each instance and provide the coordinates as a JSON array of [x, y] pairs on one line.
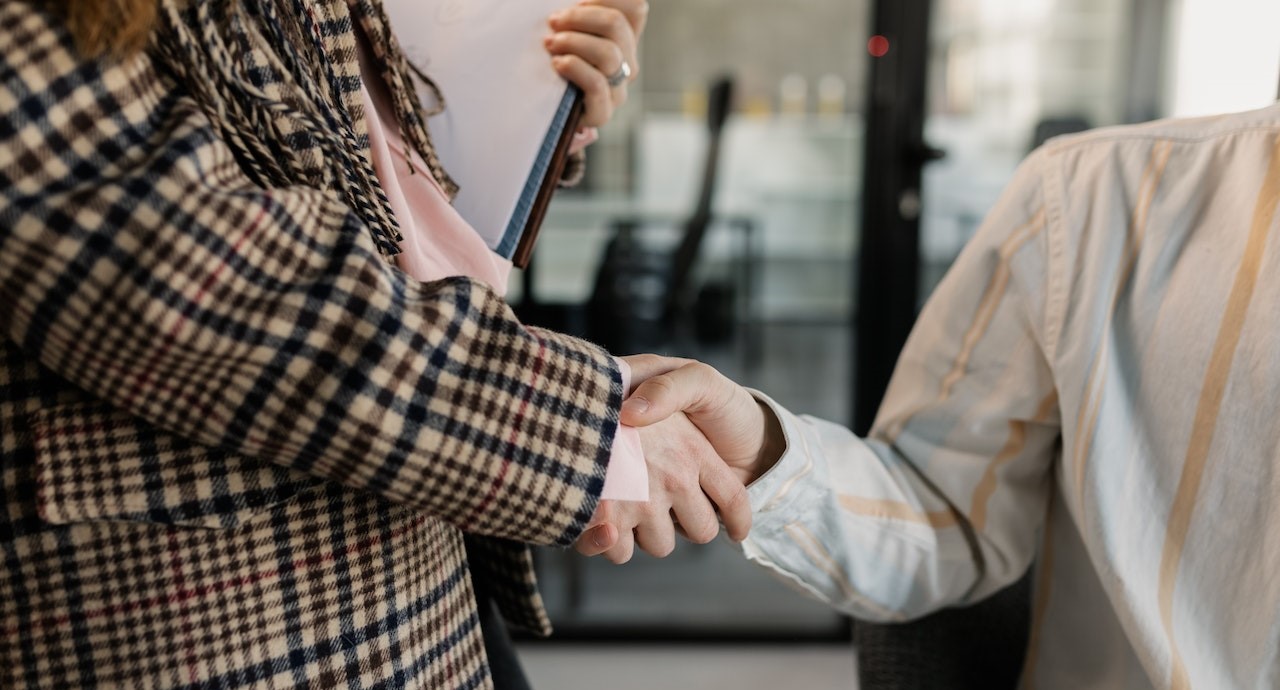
[[704, 438], [590, 42]]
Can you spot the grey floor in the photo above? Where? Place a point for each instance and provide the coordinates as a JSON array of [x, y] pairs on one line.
[[610, 667]]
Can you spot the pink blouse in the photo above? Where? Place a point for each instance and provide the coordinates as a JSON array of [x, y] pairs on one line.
[[438, 243]]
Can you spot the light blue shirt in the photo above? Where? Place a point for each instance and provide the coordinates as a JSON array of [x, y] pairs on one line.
[[1096, 386]]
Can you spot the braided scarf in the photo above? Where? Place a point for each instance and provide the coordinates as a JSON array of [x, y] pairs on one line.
[[301, 135]]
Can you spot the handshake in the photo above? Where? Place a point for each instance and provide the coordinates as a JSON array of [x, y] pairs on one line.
[[704, 438]]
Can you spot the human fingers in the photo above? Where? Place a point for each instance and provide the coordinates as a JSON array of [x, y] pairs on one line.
[[669, 450], [605, 22], [636, 11], [729, 416], [623, 549], [597, 539], [696, 517], [598, 97], [716, 488], [599, 52], [676, 451], [722, 485], [656, 535], [690, 388], [647, 366], [602, 530]]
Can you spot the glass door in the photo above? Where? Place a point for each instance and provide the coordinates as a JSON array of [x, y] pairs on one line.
[[1004, 76], [981, 83], [773, 284], [977, 85]]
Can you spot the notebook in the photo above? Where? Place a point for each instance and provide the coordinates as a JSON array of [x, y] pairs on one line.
[[509, 118]]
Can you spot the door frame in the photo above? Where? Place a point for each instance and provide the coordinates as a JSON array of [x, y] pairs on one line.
[[888, 255]]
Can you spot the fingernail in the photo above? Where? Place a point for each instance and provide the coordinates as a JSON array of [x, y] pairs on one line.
[[635, 405], [597, 537]]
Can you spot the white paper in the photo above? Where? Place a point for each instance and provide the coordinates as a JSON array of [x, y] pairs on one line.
[[501, 94]]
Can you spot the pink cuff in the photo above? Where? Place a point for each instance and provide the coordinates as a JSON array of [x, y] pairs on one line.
[[627, 478]]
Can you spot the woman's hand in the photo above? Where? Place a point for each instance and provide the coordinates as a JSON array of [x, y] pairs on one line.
[[704, 438], [688, 485], [743, 432], [589, 43]]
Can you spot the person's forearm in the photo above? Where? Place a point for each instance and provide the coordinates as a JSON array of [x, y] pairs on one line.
[[771, 449], [265, 321], [864, 536]]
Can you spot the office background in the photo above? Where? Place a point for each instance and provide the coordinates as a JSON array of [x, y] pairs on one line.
[[776, 298]]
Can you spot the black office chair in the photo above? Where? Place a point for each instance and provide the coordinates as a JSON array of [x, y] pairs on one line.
[[640, 295], [1051, 127], [979, 647]]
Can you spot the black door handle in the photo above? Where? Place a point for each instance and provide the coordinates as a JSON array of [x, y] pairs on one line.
[[921, 153]]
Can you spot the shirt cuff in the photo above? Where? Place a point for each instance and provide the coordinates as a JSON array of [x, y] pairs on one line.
[[770, 488], [627, 478]]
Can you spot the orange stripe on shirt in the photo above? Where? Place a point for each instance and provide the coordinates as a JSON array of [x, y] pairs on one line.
[[821, 558], [982, 319], [896, 510], [1206, 419], [986, 487], [1088, 418]]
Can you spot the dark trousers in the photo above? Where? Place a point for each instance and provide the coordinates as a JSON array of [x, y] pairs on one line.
[[503, 662]]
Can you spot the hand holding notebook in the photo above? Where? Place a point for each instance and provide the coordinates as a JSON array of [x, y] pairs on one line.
[[509, 117]]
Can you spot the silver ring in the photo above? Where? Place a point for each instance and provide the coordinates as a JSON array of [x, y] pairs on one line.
[[617, 78]]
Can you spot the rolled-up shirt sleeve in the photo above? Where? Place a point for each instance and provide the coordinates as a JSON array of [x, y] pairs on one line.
[[140, 261], [941, 505]]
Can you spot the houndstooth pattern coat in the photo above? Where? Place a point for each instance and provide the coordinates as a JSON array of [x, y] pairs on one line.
[[238, 448]]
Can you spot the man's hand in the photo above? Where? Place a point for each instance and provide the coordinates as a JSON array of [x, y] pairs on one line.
[[746, 435], [689, 416], [688, 482], [589, 43]]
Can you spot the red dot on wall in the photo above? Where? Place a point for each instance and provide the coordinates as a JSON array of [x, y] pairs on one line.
[[878, 46]]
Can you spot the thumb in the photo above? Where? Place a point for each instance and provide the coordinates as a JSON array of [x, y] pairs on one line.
[[685, 389], [597, 539], [723, 411], [645, 367]]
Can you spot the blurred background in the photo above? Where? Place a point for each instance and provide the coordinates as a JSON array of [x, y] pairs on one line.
[[785, 186]]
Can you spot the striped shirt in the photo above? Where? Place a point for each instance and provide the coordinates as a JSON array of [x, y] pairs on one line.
[[1095, 387]]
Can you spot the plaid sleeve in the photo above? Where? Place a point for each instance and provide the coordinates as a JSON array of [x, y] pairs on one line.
[[139, 263]]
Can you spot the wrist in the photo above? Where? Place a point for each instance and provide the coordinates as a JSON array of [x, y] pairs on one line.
[[772, 445]]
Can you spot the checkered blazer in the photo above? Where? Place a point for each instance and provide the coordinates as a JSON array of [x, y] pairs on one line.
[[238, 448]]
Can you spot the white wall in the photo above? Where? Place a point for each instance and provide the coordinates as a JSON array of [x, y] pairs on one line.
[[1226, 56]]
